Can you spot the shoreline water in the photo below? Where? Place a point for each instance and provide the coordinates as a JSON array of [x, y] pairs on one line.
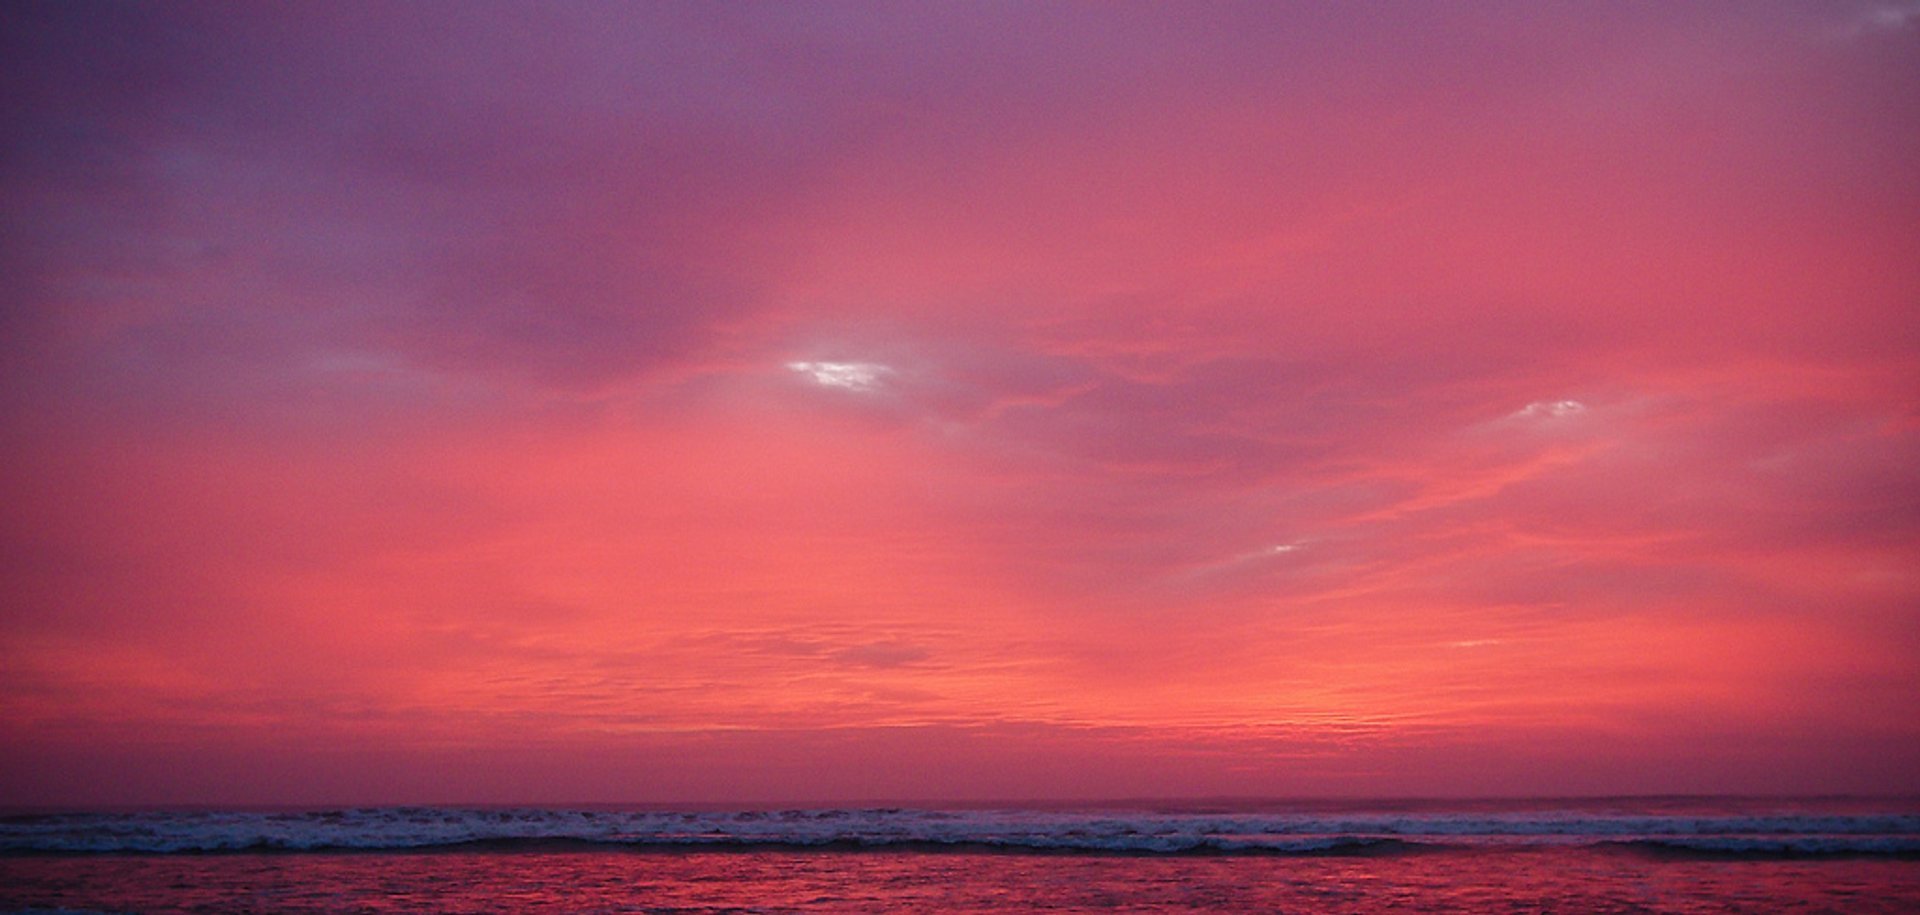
[[1692, 855], [710, 882]]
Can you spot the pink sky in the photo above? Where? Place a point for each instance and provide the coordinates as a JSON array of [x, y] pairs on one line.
[[736, 402]]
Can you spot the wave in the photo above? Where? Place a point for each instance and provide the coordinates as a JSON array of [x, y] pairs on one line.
[[393, 829], [1775, 847], [1329, 846]]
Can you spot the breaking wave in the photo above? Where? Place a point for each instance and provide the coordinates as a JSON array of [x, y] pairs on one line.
[[392, 829]]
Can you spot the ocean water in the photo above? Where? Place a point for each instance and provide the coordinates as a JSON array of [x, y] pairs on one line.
[[1645, 855]]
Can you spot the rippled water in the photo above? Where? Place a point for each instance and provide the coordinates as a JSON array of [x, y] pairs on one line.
[[1777, 828], [1545, 879], [1543, 856]]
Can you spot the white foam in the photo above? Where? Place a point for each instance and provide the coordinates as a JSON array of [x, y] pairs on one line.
[[401, 828]]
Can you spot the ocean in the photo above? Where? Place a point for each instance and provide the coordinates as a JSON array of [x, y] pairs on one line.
[[1689, 855]]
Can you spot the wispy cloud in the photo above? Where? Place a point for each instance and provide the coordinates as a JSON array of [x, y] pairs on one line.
[[853, 376], [1551, 409]]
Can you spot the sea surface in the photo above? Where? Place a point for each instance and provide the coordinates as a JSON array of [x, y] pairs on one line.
[[1640, 855]]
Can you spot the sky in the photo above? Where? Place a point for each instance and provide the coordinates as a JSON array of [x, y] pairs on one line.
[[739, 402]]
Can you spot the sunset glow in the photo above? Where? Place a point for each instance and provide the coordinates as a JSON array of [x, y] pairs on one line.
[[788, 402]]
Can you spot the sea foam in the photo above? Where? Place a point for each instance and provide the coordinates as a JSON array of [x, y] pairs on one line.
[[1091, 831]]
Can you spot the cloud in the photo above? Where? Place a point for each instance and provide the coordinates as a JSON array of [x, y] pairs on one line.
[[881, 655], [1551, 409], [1885, 17], [853, 376]]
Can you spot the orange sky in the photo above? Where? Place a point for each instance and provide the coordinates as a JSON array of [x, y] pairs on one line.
[[516, 403]]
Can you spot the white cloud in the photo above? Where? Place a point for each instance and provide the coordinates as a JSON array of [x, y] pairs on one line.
[[1892, 16], [1886, 17], [1540, 409], [1239, 562], [1265, 552], [853, 376]]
